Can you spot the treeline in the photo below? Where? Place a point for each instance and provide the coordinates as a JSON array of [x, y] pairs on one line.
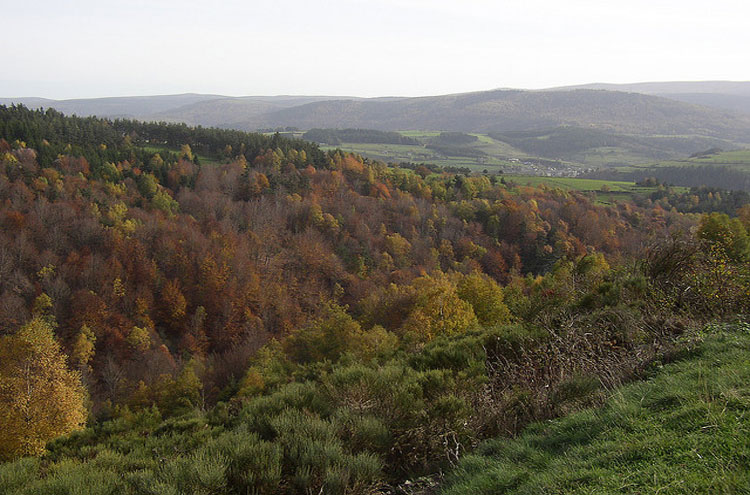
[[569, 140], [696, 200], [724, 177], [339, 136], [425, 169], [456, 144], [50, 134], [561, 140], [306, 321], [455, 150], [454, 138]]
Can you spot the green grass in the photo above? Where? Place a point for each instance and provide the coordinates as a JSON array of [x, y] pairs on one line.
[[685, 430], [576, 184], [203, 158], [498, 156], [420, 134], [395, 153], [738, 159], [608, 157], [493, 148], [615, 190]]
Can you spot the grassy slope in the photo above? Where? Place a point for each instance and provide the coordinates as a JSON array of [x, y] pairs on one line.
[[576, 184], [203, 159], [618, 190], [685, 430], [738, 159], [497, 157], [499, 154]]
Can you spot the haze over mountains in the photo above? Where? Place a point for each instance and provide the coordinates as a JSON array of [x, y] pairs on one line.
[[191, 108], [504, 110], [741, 88], [705, 109]]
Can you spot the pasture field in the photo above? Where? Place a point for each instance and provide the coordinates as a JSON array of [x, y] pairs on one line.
[[608, 192], [610, 156], [399, 153], [576, 184], [737, 159], [203, 158], [728, 170], [493, 154], [485, 153]]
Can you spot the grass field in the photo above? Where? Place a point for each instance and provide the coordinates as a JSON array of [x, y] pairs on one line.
[[394, 153], [576, 184], [685, 430], [498, 155], [725, 170], [608, 157], [607, 191], [738, 159], [495, 156], [203, 158]]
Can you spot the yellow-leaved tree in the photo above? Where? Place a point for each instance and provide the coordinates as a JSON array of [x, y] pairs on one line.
[[40, 398], [485, 297], [438, 309]]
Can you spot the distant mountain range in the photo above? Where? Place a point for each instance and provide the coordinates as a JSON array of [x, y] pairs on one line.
[[121, 106], [506, 110], [707, 109], [674, 87], [194, 109]]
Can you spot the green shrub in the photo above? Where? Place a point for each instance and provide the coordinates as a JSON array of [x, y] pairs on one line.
[[16, 475]]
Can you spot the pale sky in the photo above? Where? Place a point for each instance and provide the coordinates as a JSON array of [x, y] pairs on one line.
[[92, 48]]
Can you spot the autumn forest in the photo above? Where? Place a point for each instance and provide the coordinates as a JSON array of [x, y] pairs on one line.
[[198, 310]]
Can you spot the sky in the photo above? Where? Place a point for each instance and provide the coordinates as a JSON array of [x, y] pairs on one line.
[[94, 48]]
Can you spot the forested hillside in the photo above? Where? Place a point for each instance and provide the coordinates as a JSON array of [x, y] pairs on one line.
[[213, 311], [702, 110], [724, 95]]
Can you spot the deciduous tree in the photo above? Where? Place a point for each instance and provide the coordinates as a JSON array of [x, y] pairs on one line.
[[40, 398]]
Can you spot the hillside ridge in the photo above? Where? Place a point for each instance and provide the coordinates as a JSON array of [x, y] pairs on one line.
[[481, 111]]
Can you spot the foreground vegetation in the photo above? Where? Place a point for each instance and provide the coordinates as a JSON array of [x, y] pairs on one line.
[[287, 320], [326, 411], [684, 430]]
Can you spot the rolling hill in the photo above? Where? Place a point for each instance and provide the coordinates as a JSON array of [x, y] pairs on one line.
[[194, 109], [593, 127], [673, 87], [506, 110], [486, 111], [236, 112], [723, 95], [122, 106]]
